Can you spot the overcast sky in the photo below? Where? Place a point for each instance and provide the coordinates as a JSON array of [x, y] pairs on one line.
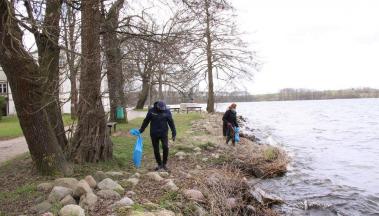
[[316, 44]]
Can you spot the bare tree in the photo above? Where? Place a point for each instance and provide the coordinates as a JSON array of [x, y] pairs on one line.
[[219, 49], [71, 38], [91, 142], [113, 53], [34, 85]]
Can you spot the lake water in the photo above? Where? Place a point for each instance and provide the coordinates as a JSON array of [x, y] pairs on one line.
[[334, 146]]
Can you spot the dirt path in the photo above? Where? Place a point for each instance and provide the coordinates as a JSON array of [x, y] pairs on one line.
[[13, 147]]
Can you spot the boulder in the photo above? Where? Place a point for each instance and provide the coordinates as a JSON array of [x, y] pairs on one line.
[[129, 182], [109, 184], [109, 194], [265, 198], [68, 200], [179, 154], [41, 208], [136, 175], [66, 182], [200, 211], [88, 201], [125, 201], [197, 149], [71, 210], [164, 174], [91, 181], [154, 176], [99, 176], [45, 187], [47, 214], [82, 188], [194, 195], [170, 186], [164, 212], [114, 174], [58, 193]]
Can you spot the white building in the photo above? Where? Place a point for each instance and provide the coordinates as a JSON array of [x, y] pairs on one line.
[[5, 91], [65, 89]]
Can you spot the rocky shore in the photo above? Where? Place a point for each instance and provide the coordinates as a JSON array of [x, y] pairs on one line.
[[207, 177]]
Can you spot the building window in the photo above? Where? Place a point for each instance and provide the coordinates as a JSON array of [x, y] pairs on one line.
[[3, 88]]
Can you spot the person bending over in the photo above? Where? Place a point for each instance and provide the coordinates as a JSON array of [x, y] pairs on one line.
[[160, 118], [229, 123]]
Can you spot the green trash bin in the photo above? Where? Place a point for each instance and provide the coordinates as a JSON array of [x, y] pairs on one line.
[[120, 113]]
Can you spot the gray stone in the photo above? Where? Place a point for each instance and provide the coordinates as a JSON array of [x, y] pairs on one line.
[[154, 176], [136, 175], [109, 194], [45, 187], [47, 214], [114, 174], [125, 201], [99, 176], [197, 149], [178, 154], [164, 174], [194, 195], [82, 188], [39, 199], [43, 207], [133, 181], [58, 193], [109, 184], [71, 210], [265, 198], [88, 201], [164, 212], [91, 181], [66, 182], [199, 211], [68, 200], [170, 186]]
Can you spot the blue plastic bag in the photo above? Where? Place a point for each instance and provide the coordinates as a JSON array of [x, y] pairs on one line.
[[236, 134], [138, 148]]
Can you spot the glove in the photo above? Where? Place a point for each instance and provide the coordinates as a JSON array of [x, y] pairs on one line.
[[173, 138], [140, 131]]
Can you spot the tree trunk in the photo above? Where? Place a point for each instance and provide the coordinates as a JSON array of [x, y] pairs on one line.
[[114, 64], [48, 57], [211, 100], [28, 90], [144, 92], [160, 83], [91, 142]]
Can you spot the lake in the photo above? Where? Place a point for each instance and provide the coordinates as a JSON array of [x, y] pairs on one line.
[[334, 147]]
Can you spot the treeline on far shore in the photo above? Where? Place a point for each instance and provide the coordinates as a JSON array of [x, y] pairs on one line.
[[282, 95]]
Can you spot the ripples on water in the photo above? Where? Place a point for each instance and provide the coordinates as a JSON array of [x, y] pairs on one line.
[[334, 146]]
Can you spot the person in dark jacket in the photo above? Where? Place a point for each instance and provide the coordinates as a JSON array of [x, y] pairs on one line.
[[160, 118], [229, 122]]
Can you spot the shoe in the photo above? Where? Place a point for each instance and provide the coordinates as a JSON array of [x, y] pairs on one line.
[[165, 168], [158, 168]]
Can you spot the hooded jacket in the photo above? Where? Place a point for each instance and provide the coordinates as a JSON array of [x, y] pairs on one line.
[[160, 119], [229, 117]]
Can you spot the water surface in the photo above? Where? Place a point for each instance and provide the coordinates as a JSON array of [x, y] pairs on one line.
[[334, 145]]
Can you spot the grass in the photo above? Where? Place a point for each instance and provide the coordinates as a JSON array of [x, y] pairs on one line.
[[10, 127], [18, 178]]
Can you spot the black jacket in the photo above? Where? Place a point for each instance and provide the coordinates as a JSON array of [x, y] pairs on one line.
[[229, 117], [160, 120]]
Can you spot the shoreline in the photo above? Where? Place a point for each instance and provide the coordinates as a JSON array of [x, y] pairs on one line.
[[207, 177]]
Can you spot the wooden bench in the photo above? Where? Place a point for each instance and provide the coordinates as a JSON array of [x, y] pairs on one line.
[[110, 125], [175, 109], [194, 108]]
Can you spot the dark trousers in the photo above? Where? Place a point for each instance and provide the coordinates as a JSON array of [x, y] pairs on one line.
[[164, 141], [230, 135]]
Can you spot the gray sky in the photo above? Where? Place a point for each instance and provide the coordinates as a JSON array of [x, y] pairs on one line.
[[316, 44]]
